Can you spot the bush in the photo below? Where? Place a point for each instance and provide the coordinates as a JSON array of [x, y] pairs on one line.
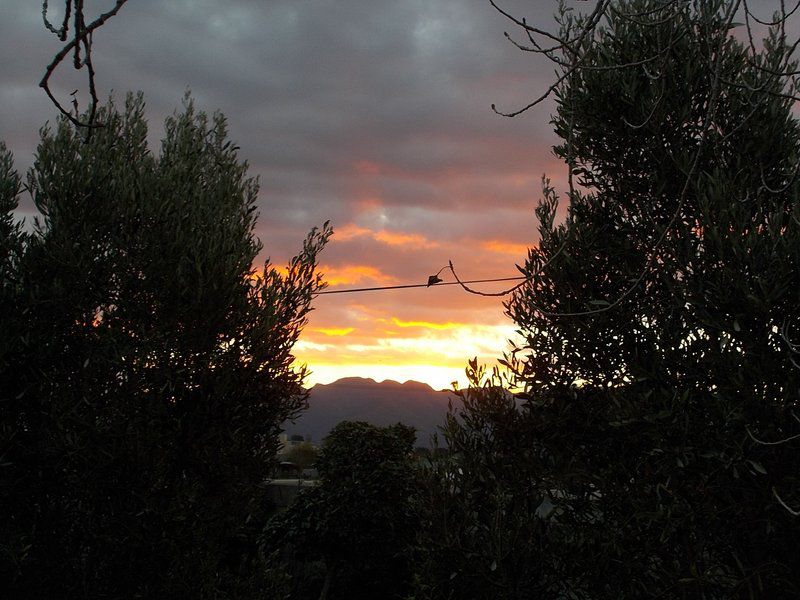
[[351, 536]]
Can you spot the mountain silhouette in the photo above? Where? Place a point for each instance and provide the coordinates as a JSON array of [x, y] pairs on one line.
[[386, 403]]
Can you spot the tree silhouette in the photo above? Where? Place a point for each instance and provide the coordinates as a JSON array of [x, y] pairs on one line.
[[660, 318], [146, 364], [359, 522]]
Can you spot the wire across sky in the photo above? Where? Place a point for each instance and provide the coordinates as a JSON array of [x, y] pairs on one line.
[[415, 285]]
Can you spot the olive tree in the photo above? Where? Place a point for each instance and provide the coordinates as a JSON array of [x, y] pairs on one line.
[[151, 365], [660, 317]]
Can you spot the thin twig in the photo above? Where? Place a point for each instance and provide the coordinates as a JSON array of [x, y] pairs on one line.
[[794, 513], [82, 36], [763, 443]]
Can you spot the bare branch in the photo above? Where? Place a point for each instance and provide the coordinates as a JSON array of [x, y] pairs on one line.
[[511, 289], [81, 40], [531, 30], [62, 32], [784, 15], [564, 43]]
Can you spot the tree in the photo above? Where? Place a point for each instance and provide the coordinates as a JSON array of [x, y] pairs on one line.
[[303, 455], [151, 367], [11, 243], [14, 530], [661, 317], [359, 522], [480, 536]]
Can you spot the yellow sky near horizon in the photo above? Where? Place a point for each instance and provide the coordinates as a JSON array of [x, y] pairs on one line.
[[435, 356], [419, 334]]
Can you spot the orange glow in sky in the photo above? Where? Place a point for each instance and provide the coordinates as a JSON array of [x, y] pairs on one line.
[[421, 334], [380, 123], [433, 356]]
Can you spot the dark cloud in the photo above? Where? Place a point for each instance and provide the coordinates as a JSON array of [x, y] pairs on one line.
[[373, 114]]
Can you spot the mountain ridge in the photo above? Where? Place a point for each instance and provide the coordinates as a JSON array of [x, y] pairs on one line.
[[363, 399]]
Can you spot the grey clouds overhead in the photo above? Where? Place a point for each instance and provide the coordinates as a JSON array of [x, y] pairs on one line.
[[374, 114]]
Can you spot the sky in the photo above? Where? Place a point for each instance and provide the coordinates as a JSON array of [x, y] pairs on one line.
[[373, 114]]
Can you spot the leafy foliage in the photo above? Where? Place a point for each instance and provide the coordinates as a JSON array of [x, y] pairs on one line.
[[480, 537], [359, 523], [660, 322], [303, 455], [150, 368]]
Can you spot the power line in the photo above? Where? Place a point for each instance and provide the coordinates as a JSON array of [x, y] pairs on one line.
[[416, 285]]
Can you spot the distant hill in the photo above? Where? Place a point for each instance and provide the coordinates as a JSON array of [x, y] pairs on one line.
[[386, 403]]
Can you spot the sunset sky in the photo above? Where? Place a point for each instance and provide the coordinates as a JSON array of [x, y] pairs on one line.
[[372, 114]]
